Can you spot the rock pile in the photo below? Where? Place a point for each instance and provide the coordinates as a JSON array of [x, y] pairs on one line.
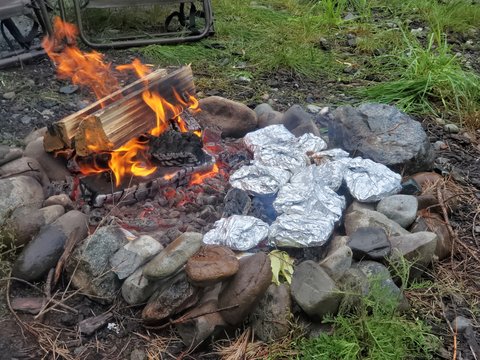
[[354, 214]]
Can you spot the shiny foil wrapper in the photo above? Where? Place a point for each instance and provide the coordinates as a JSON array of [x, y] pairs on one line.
[[311, 143], [300, 230], [369, 181], [258, 179], [309, 198], [282, 156], [329, 173], [238, 232], [277, 135]]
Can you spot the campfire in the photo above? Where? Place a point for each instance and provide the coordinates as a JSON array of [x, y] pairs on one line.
[[133, 139]]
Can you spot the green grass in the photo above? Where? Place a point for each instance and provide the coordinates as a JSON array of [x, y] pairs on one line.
[[429, 80], [371, 327]]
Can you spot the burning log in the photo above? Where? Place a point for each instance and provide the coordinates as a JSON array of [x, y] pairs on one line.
[[126, 114]]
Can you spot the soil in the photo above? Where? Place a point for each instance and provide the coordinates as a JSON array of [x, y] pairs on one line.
[[38, 102]]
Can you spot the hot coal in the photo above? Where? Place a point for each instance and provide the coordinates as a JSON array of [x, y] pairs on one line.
[[237, 202], [173, 148]]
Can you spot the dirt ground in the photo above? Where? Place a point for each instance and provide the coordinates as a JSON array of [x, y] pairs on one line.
[[38, 102]]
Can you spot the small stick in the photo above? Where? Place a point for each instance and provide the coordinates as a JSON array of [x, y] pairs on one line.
[[69, 246], [447, 221]]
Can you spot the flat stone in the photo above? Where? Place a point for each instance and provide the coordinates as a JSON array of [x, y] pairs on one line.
[[234, 119], [357, 205], [211, 264], [314, 291], [400, 208], [68, 89], [272, 317], [205, 321], [26, 222], [138, 354], [19, 191], [174, 256], [42, 253], [369, 243], [8, 154], [245, 289], [9, 95], [134, 254], [337, 262], [383, 134], [89, 265], [25, 166], [418, 247], [174, 296], [136, 289], [61, 199], [55, 167], [368, 218], [299, 122]]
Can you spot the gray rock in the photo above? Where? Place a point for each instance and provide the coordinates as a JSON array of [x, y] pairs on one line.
[[205, 320], [25, 166], [357, 205], [138, 354], [299, 122], [460, 324], [246, 288], [369, 243], [451, 128], [68, 89], [418, 248], [174, 296], [234, 119], [55, 168], [368, 218], [266, 116], [61, 199], [134, 254], [26, 120], [400, 208], [379, 274], [337, 242], [314, 109], [314, 291], [34, 135], [26, 222], [337, 262], [42, 253], [19, 191], [174, 256], [89, 266], [382, 133], [8, 154], [272, 317], [9, 95], [354, 284], [136, 289]]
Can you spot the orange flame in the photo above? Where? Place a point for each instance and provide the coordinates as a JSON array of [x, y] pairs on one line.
[[199, 178], [91, 70], [84, 69]]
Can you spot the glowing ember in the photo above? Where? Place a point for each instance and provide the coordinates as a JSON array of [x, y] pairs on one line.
[[199, 178], [90, 69]]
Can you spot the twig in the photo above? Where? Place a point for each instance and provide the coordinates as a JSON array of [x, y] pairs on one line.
[[473, 228], [453, 236], [69, 246], [48, 296]]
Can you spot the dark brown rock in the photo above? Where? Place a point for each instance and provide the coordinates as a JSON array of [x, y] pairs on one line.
[[434, 222], [211, 264], [246, 288], [175, 295], [234, 119], [30, 305]]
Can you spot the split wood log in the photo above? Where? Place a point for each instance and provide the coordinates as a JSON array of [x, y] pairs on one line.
[[121, 119]]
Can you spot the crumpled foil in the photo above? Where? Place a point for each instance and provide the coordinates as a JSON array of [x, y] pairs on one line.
[[309, 198], [369, 181], [238, 232], [271, 135], [300, 230], [258, 179], [282, 156], [333, 154], [329, 173], [311, 143]]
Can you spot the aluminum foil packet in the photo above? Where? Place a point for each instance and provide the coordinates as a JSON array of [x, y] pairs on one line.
[[309, 198], [329, 173], [282, 156], [271, 135], [300, 230], [238, 232], [329, 155], [311, 143], [258, 179], [369, 181]]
